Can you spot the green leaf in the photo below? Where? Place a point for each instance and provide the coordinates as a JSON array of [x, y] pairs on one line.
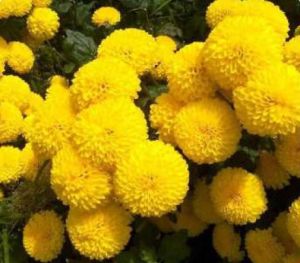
[[62, 6], [127, 257], [12, 28]]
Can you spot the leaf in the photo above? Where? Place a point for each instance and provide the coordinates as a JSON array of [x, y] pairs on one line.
[[12, 28], [62, 6], [127, 257], [148, 254]]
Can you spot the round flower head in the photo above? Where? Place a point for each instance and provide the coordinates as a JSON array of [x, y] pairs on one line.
[[17, 8], [162, 116], [227, 243], [293, 221], [292, 258], [265, 106], [43, 236], [231, 59], [31, 162], [279, 229], [111, 222], [270, 171], [238, 196], [202, 204], [291, 52], [166, 42], [187, 79], [11, 122], [77, 183], [263, 247], [20, 57], [43, 23], [10, 164], [101, 79], [133, 46], [152, 179], [207, 131], [106, 16], [104, 132], [288, 153], [41, 3]]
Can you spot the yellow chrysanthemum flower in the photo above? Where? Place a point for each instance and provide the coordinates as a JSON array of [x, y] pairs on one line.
[[288, 154], [101, 79], [152, 179], [187, 78], [20, 57], [133, 46], [231, 59], [293, 221], [104, 132], [110, 220], [76, 183], [106, 16], [279, 229], [292, 258], [291, 52], [35, 101], [265, 106], [270, 171], [202, 204], [43, 236], [238, 196], [166, 42], [207, 131], [227, 243], [263, 247], [162, 116], [41, 3], [11, 122], [43, 23], [14, 8]]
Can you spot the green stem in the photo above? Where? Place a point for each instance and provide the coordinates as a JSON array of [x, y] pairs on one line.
[[5, 246]]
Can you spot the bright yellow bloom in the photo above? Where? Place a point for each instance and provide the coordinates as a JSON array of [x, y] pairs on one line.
[[133, 46], [35, 101], [101, 79], [152, 179], [43, 236], [43, 23], [101, 233], [265, 106], [293, 221], [227, 243], [291, 52], [292, 258], [20, 57], [14, 8], [202, 204], [104, 132], [238, 196], [270, 171], [31, 162], [166, 42], [263, 247], [106, 16], [207, 131], [231, 59], [41, 3]]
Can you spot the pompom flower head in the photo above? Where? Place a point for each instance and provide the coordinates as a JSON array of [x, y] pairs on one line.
[[231, 59], [111, 222], [238, 196], [106, 16], [152, 179], [133, 46], [207, 131], [291, 52], [16, 8], [265, 106], [293, 218], [41, 3], [76, 183], [43, 236]]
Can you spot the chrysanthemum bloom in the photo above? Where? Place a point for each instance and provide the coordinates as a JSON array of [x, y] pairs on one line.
[[101, 79], [271, 172], [35, 101], [187, 78], [202, 204], [152, 179], [11, 122], [43, 236], [263, 247], [101, 233], [133, 46], [238, 196], [288, 152], [77, 183], [15, 91], [43, 23], [231, 59], [163, 223], [227, 243], [106, 16], [207, 131], [104, 132], [292, 258], [41, 3], [291, 52], [162, 116], [20, 57], [293, 221], [10, 164], [279, 229], [31, 162], [265, 106], [166, 42], [14, 8]]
